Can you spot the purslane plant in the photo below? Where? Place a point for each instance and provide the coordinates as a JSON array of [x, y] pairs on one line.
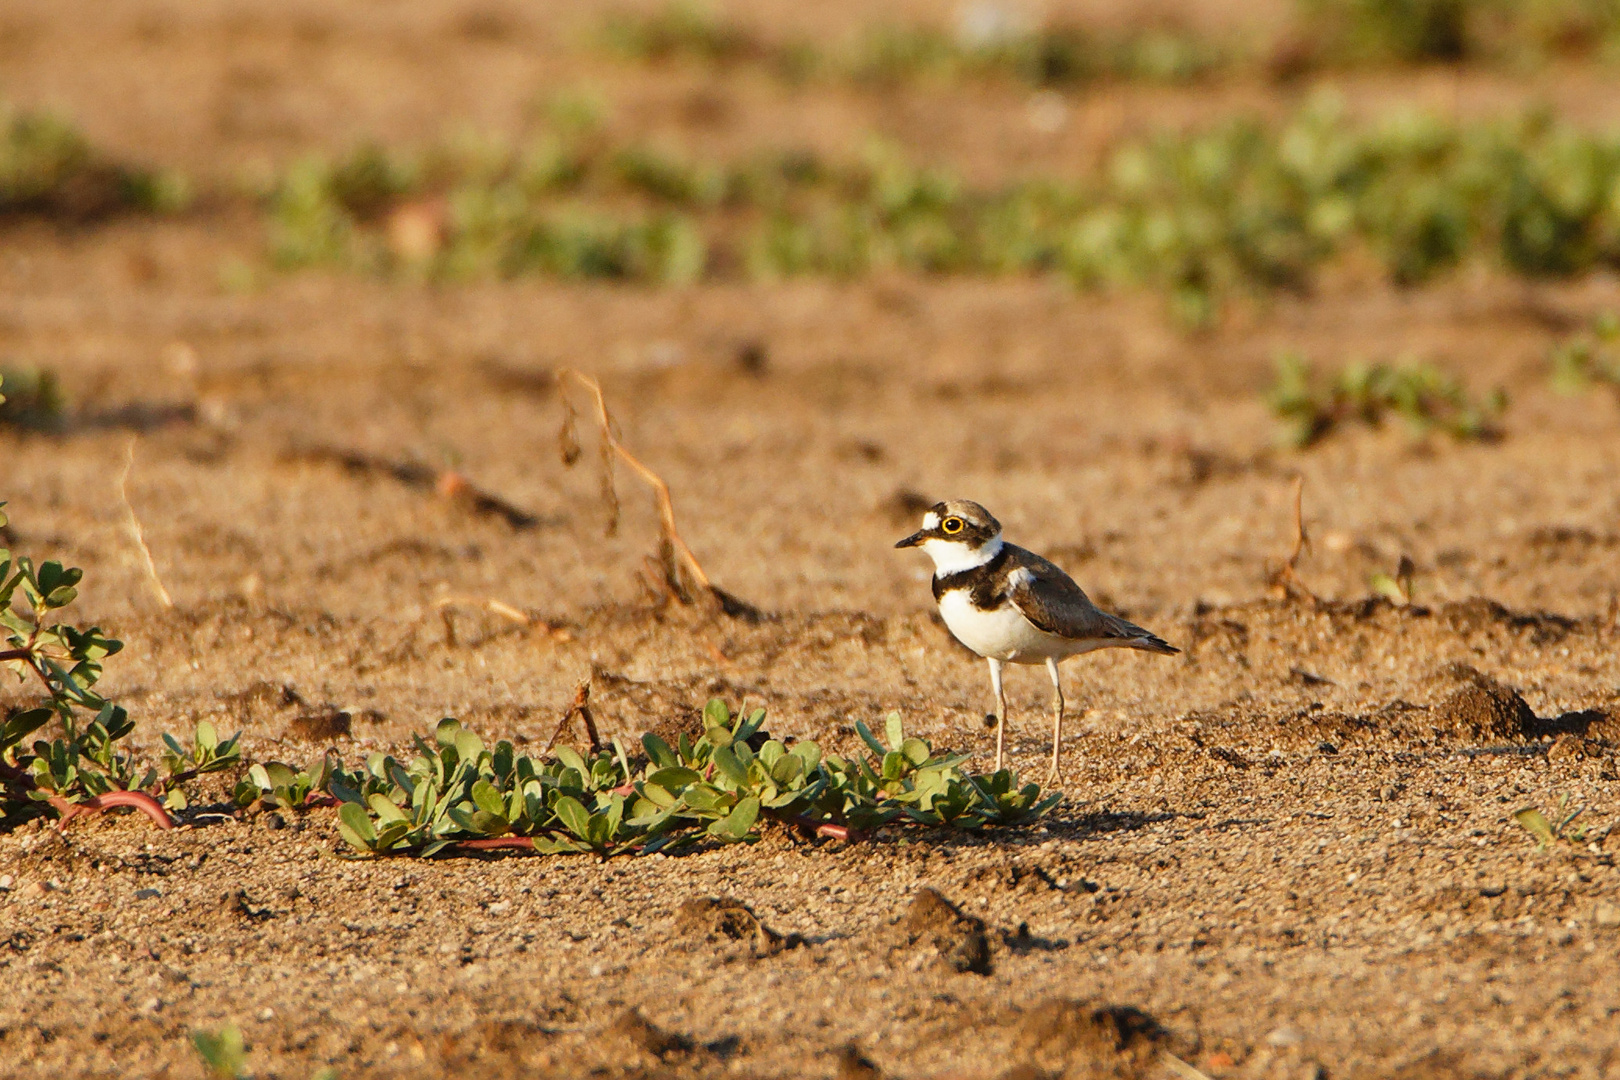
[[716, 787], [85, 768]]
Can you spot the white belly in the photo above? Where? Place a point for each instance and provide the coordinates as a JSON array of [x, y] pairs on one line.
[[1004, 634]]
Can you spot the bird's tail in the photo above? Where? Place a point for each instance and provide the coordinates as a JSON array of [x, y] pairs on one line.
[[1135, 637]]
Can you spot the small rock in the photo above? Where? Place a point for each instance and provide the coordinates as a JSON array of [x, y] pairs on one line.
[[1284, 1036], [1493, 888], [5, 882], [267, 1013], [1606, 914], [147, 894], [275, 821]]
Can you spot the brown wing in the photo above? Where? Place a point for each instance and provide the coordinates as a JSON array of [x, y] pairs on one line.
[[1050, 599]]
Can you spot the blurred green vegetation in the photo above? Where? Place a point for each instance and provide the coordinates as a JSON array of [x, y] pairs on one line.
[[47, 167], [1588, 358], [1245, 207], [1426, 397], [1348, 32], [33, 399], [986, 42], [990, 40]]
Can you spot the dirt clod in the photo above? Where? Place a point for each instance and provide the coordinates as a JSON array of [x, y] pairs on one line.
[[934, 923], [1091, 1040], [636, 1030], [1483, 711], [723, 920], [322, 725], [854, 1065]]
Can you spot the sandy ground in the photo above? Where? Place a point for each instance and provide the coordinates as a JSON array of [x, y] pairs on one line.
[[1290, 849]]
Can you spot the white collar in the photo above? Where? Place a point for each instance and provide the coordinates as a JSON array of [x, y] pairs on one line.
[[953, 556]]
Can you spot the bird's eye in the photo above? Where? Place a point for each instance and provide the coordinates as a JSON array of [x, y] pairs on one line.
[[951, 526]]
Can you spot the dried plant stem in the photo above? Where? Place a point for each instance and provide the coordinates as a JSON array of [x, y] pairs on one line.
[[581, 708], [1286, 579], [135, 527], [676, 556]]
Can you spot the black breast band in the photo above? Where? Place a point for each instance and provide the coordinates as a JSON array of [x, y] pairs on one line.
[[987, 587]]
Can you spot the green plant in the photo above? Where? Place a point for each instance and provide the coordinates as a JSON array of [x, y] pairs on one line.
[[1550, 833], [680, 29], [715, 788], [223, 1051], [35, 403], [1587, 358], [47, 165], [1428, 398], [85, 768], [1349, 32]]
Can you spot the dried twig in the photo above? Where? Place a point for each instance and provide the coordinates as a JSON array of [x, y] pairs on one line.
[[135, 527], [680, 569], [448, 483], [1286, 580], [581, 708], [447, 605]]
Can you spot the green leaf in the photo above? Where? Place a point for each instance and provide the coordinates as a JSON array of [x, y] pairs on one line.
[[659, 752], [658, 794], [571, 758], [715, 714], [914, 750], [725, 759], [445, 732], [207, 739], [488, 799], [22, 725], [809, 752], [870, 740], [355, 825], [1536, 823], [485, 823], [575, 818], [386, 809], [896, 733], [468, 746], [735, 825], [392, 833]]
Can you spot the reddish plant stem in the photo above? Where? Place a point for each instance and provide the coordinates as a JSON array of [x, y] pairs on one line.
[[830, 830], [494, 843], [137, 800]]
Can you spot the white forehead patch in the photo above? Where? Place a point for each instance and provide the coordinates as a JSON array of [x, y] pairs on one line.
[[930, 520]]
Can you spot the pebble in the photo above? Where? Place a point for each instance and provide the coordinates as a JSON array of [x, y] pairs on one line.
[[147, 894], [1607, 914]]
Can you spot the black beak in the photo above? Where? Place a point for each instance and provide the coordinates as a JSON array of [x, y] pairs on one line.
[[911, 541]]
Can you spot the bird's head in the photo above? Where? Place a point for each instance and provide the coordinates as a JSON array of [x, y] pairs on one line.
[[957, 535]]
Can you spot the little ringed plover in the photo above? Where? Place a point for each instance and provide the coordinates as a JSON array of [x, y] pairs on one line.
[[1010, 605]]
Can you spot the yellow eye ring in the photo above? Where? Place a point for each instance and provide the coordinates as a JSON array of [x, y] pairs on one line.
[[951, 526]]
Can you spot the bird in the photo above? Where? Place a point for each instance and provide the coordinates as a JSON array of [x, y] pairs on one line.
[[1010, 605]]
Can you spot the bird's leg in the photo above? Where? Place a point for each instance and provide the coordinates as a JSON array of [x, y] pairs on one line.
[[1057, 722], [1001, 708]]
